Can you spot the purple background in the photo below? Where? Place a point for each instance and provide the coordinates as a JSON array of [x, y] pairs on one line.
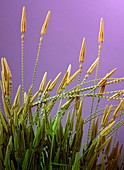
[[70, 22]]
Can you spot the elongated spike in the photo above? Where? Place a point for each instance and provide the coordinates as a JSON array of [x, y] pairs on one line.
[[7, 68], [23, 20], [25, 97], [101, 31], [107, 116], [93, 66], [103, 145], [69, 70], [45, 25], [82, 51], [4, 69], [73, 77], [63, 82], [114, 96], [47, 87], [52, 85], [17, 97], [118, 108], [66, 104], [102, 89], [3, 83], [105, 131], [34, 97], [104, 115], [41, 88], [103, 81]]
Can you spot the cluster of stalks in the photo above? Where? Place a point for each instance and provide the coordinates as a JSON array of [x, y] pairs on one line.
[[30, 139]]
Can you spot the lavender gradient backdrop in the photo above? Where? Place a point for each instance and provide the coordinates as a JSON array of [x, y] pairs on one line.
[[70, 21]]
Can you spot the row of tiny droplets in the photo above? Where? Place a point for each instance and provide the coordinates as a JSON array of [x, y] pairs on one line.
[[23, 31]]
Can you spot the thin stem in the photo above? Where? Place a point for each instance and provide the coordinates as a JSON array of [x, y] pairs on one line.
[[36, 62], [22, 65]]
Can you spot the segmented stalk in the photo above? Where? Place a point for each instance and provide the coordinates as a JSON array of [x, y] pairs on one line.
[[22, 64], [36, 62], [92, 104]]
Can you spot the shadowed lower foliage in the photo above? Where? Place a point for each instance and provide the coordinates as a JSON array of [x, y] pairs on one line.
[[31, 139]]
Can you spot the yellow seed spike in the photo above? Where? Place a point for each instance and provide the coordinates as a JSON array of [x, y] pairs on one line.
[[7, 68], [114, 96], [17, 97], [109, 74], [3, 83], [82, 51], [103, 81], [45, 25], [115, 114], [47, 87], [101, 31], [73, 77], [41, 88], [104, 115], [69, 70], [2, 64], [103, 145], [34, 97], [4, 70], [67, 103], [77, 102], [107, 115], [63, 83], [23, 20], [92, 67], [25, 97], [102, 89], [52, 85], [105, 131]]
